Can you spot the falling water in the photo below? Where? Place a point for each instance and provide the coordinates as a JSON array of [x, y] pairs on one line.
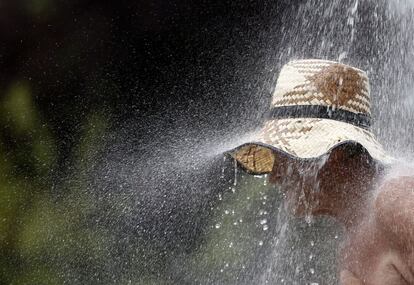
[[199, 220]]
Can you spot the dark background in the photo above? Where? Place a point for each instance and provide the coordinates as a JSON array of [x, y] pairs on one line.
[[174, 63]]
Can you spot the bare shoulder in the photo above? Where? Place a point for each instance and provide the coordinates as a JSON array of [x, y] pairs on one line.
[[394, 209], [394, 193]]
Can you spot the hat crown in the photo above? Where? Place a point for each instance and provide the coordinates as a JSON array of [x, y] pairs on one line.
[[323, 83]]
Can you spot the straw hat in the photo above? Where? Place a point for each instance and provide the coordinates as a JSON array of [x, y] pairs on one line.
[[317, 105]]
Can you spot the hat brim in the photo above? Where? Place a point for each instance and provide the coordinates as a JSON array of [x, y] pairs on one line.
[[303, 139]]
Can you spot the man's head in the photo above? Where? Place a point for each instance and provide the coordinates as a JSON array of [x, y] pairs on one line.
[[316, 141], [327, 184]]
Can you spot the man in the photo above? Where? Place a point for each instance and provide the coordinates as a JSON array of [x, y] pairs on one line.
[[318, 146]]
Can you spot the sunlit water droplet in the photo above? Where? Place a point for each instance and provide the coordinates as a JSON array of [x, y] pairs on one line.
[[235, 173]]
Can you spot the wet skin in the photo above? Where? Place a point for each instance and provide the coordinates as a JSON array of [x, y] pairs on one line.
[[377, 214]]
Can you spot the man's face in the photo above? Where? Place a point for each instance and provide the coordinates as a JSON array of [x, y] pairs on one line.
[[321, 186]]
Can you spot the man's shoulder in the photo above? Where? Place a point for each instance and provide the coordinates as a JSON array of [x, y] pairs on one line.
[[394, 190], [394, 206], [395, 187], [399, 175]]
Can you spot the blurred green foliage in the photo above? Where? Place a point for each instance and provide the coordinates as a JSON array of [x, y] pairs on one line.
[[39, 221], [239, 230], [45, 237]]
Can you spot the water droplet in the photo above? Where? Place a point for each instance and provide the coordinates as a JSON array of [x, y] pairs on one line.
[[235, 173], [260, 243], [355, 8], [218, 226]]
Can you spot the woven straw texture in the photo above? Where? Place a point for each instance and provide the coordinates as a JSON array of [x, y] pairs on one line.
[[312, 82], [324, 83]]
